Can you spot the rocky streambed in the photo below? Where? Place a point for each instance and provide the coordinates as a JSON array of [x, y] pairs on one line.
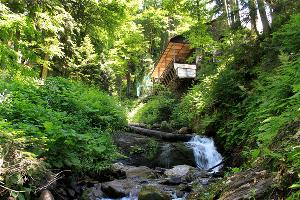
[[149, 184], [151, 169]]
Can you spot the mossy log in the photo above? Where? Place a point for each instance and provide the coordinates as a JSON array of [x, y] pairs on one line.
[[160, 134]]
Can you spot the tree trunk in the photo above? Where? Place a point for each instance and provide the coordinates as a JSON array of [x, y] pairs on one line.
[[119, 85], [253, 16], [231, 13], [128, 78], [237, 17], [264, 18], [161, 135], [226, 12], [44, 72]]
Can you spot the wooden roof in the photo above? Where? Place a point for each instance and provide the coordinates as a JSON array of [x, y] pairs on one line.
[[177, 47]]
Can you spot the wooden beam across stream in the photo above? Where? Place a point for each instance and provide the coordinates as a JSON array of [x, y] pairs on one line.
[[160, 134]]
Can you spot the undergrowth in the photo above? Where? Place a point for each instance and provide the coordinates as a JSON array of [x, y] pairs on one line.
[[58, 124]]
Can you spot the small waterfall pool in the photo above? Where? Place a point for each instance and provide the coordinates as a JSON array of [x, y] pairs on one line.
[[205, 153]]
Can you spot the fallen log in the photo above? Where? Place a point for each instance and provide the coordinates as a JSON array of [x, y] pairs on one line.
[[160, 134]]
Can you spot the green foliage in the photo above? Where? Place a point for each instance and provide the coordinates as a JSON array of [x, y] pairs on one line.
[[21, 170], [157, 108], [73, 121], [149, 150], [218, 88], [288, 36]]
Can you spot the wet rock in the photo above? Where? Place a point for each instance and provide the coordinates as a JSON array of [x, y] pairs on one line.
[[175, 180], [164, 154], [178, 171], [46, 195], [247, 185], [117, 188], [93, 193], [142, 171], [149, 192], [184, 188], [196, 174], [61, 191], [71, 192], [179, 194], [131, 171], [119, 170]]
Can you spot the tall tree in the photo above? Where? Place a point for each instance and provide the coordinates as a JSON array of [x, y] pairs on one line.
[[253, 16], [264, 18], [234, 14]]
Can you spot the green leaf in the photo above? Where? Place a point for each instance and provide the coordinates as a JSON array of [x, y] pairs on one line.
[[295, 186], [21, 197], [255, 153]]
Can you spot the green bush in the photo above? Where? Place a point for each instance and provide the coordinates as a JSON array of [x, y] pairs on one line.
[[156, 107], [219, 89], [288, 37], [155, 110], [72, 121]]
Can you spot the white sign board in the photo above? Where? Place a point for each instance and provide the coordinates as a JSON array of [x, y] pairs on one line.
[[185, 70]]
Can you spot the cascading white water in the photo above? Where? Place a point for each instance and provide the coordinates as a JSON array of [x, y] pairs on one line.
[[205, 153], [165, 157]]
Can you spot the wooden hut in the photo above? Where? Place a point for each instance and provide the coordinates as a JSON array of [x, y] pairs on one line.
[[172, 69]]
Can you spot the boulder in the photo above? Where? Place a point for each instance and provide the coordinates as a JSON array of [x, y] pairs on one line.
[[132, 171], [247, 185], [196, 174], [142, 172], [149, 192], [93, 193], [117, 188], [46, 195], [178, 171], [163, 154]]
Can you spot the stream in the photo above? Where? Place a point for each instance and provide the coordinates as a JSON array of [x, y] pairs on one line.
[[171, 176]]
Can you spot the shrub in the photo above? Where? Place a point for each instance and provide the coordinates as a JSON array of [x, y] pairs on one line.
[[20, 169], [288, 37], [156, 107], [156, 110], [219, 89], [72, 121]]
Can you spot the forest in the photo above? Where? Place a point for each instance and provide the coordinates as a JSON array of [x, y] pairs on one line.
[[75, 83]]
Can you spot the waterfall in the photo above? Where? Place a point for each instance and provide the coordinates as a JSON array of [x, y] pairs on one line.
[[205, 153], [165, 157]]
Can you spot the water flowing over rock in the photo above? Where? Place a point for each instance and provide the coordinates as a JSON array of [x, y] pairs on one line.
[[205, 153], [140, 152], [170, 171]]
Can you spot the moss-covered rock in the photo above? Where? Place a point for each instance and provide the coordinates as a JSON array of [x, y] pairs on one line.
[[149, 192]]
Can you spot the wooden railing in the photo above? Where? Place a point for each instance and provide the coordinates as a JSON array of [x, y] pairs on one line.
[[169, 74]]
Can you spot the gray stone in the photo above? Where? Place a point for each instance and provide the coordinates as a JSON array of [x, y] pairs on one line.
[[247, 185], [117, 188], [142, 172], [71, 192], [178, 171], [46, 195], [131, 171]]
